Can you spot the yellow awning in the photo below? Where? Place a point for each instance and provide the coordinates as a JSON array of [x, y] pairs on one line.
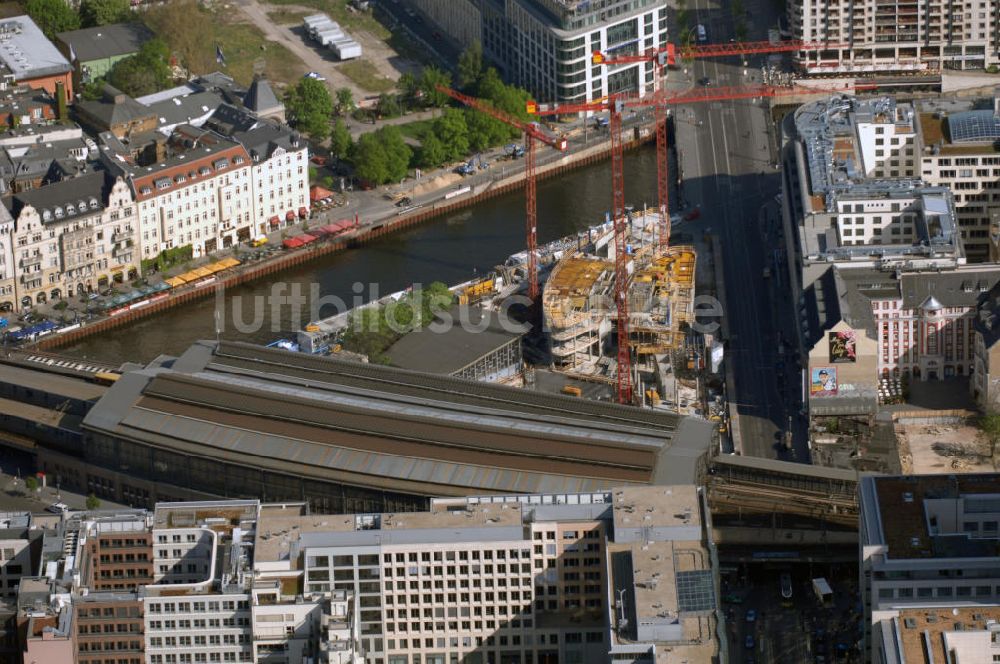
[[174, 282]]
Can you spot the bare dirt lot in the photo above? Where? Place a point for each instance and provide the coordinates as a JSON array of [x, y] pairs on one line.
[[937, 448]]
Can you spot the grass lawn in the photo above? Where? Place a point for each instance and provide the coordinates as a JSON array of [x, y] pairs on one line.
[[416, 129], [366, 76], [241, 43], [339, 12], [287, 16]]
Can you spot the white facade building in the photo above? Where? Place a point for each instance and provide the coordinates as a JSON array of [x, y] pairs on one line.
[[895, 35], [71, 237], [928, 540], [546, 46], [216, 191]]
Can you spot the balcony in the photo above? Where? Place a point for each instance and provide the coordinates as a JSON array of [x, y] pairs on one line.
[[31, 260]]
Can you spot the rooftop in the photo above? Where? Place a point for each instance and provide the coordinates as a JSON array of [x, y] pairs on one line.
[[79, 196], [105, 41], [473, 335], [27, 53], [662, 569], [904, 514], [280, 532], [382, 427], [929, 634]]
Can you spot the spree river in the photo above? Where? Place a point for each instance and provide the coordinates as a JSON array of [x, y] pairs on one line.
[[452, 249]]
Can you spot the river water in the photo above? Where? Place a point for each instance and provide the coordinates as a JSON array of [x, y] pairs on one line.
[[452, 249]]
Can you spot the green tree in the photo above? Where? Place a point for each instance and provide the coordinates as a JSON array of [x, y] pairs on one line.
[[370, 160], [470, 66], [103, 12], [398, 152], [145, 72], [430, 79], [432, 152], [452, 130], [345, 101], [52, 16], [340, 139], [989, 427], [388, 105], [309, 107], [93, 502], [409, 89], [381, 156]]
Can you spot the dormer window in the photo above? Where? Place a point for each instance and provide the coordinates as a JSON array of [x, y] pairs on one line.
[[145, 190], [93, 203], [70, 208], [59, 213], [46, 215]]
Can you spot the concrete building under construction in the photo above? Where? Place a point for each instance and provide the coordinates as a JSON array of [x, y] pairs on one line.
[[579, 305]]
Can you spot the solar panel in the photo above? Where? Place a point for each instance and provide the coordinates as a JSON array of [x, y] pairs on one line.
[[695, 591], [974, 127]]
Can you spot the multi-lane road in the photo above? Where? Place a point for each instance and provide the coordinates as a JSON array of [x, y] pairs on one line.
[[726, 153]]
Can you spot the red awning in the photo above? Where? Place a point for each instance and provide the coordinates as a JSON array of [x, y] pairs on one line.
[[303, 212], [318, 193], [275, 220], [306, 238], [292, 242], [290, 216], [331, 228]]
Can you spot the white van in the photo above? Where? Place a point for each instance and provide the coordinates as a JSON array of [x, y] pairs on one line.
[[57, 508], [702, 35]]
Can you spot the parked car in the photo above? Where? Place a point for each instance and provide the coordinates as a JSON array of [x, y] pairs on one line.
[[751, 615], [749, 642], [315, 75], [57, 508]]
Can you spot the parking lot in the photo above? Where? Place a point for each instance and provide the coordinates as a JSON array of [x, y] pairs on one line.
[[767, 628]]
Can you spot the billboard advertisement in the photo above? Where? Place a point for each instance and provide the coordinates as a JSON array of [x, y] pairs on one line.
[[842, 346], [823, 382]]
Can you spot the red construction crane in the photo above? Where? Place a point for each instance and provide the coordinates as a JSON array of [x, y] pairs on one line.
[[616, 104], [691, 51], [531, 134], [666, 56]]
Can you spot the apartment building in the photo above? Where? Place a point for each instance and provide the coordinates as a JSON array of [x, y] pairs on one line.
[[959, 151], [279, 173], [214, 191], [895, 35], [545, 46], [199, 608], [71, 237], [199, 196], [958, 634], [539, 578], [45, 622], [108, 628], [116, 552], [16, 537], [927, 540]]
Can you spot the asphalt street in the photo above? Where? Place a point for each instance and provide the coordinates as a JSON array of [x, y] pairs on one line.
[[726, 160]]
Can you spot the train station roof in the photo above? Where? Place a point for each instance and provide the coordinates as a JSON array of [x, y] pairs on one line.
[[381, 427]]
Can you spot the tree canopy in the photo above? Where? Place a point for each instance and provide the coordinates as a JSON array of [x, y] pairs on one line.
[[309, 106], [340, 139], [104, 12], [345, 101], [453, 132], [470, 66], [144, 73], [52, 16], [429, 80], [381, 156]]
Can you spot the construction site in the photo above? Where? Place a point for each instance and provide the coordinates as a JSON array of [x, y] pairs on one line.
[[579, 305]]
